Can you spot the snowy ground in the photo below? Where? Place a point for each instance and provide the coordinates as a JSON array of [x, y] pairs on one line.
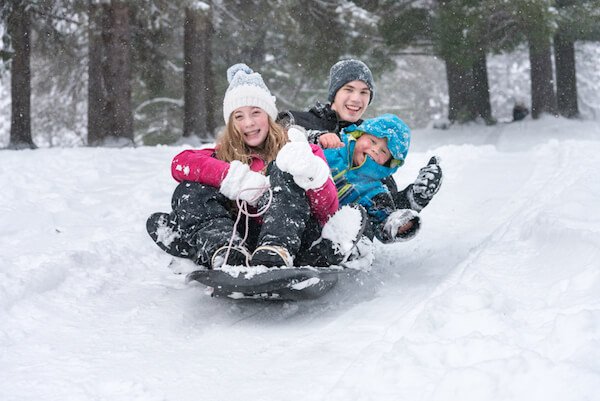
[[497, 299]]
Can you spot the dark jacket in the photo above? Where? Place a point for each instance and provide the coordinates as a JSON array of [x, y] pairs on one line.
[[316, 121]]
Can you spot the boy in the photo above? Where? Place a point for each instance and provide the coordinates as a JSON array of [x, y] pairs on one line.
[[371, 152], [351, 89]]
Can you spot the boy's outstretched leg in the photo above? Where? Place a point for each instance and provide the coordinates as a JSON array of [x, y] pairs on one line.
[[346, 240]]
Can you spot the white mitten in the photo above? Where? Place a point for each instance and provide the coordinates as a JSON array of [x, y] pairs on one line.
[[297, 134], [243, 183], [309, 171], [398, 219]]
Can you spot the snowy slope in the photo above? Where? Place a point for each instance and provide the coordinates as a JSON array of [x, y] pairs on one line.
[[497, 299]]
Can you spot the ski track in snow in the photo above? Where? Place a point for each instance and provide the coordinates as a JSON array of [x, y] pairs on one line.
[[498, 298]]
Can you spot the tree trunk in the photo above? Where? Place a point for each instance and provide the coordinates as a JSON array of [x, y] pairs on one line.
[[566, 79], [460, 86], [97, 105], [117, 73], [19, 29], [198, 84], [481, 92], [543, 99]]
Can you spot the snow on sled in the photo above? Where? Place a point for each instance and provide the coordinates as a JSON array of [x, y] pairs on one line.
[[276, 283]]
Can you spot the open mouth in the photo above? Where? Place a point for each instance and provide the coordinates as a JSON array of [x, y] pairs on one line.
[[352, 108], [251, 134], [359, 159]]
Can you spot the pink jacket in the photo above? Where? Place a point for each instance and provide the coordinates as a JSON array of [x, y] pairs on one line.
[[201, 166]]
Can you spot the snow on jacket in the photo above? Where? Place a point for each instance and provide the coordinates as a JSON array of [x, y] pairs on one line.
[[360, 184], [202, 166]]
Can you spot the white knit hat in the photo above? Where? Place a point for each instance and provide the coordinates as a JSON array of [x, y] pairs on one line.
[[247, 88]]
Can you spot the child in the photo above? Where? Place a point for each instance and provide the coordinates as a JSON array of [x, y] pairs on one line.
[[241, 168], [373, 151], [351, 90]]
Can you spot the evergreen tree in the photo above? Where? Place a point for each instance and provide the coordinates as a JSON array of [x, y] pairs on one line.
[[115, 67], [43, 39], [460, 39], [533, 22], [293, 43], [97, 96], [18, 18], [454, 30], [198, 87], [157, 71], [577, 20]]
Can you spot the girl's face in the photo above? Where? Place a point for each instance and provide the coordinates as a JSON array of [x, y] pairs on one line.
[[370, 145], [253, 123]]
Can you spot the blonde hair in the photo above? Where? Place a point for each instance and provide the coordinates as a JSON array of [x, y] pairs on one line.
[[231, 145]]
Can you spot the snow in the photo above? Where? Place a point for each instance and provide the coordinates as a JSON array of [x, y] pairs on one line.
[[497, 298], [342, 228]]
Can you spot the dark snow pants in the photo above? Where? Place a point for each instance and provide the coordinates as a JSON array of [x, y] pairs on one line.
[[206, 219]]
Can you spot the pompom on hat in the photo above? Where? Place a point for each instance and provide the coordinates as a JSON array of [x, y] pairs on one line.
[[247, 88], [345, 71]]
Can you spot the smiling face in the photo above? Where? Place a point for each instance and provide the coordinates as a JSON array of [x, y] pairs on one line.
[[351, 101], [370, 145], [253, 124]]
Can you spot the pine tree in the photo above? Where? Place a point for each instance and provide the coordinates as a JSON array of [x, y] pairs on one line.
[[198, 87], [18, 17], [531, 22], [577, 20], [460, 39], [116, 39]]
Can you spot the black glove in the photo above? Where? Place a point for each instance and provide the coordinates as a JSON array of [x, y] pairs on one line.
[[427, 184]]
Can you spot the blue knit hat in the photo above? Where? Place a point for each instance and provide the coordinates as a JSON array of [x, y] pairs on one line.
[[387, 126], [247, 88], [346, 71]]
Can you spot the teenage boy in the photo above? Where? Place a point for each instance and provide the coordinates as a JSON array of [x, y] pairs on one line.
[[351, 90]]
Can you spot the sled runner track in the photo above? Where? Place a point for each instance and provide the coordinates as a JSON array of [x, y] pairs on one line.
[[533, 196], [534, 193], [555, 167]]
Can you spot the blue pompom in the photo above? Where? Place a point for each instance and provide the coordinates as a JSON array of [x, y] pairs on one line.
[[234, 69]]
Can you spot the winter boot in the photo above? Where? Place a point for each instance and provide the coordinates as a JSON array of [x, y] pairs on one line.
[[344, 238], [165, 232], [345, 228], [238, 256], [271, 256]]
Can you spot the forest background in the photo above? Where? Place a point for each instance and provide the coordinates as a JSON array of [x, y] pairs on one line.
[[114, 72]]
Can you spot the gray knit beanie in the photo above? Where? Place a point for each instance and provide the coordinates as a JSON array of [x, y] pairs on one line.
[[345, 71]]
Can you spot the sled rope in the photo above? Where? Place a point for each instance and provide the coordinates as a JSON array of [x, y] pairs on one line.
[[243, 210]]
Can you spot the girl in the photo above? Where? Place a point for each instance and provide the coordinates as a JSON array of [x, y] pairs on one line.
[[242, 168]]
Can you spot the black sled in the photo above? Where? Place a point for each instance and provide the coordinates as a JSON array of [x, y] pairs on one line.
[[289, 284]]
